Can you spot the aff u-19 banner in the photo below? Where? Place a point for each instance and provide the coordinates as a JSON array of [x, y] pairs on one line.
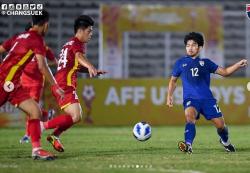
[[125, 102]]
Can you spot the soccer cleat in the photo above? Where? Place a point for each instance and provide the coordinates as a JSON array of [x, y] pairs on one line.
[[184, 147], [55, 141], [25, 139], [42, 154], [229, 148]]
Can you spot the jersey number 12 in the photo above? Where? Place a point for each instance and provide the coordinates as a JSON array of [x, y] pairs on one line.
[[194, 72]]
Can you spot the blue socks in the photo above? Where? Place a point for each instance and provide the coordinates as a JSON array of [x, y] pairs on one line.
[[223, 133], [190, 132]]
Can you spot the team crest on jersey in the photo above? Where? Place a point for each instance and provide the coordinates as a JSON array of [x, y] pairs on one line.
[[184, 65], [201, 63], [188, 103], [248, 11]]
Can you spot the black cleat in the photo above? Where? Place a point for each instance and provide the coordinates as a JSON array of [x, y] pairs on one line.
[[184, 147], [228, 148]]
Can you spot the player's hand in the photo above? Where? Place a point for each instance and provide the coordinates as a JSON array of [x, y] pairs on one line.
[[92, 71], [58, 90], [242, 63], [170, 101], [100, 72]]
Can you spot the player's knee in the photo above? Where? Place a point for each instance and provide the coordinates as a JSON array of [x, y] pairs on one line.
[[76, 117], [190, 118], [220, 125], [35, 113]]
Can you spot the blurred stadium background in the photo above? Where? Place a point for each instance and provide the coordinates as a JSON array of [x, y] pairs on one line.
[[137, 42]]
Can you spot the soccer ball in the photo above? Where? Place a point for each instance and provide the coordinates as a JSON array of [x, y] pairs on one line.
[[142, 131]]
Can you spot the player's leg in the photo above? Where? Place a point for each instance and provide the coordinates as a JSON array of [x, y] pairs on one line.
[[21, 99], [35, 95], [63, 122], [70, 104], [72, 116], [222, 131], [75, 111], [212, 112], [46, 115], [192, 110], [32, 109], [190, 131]]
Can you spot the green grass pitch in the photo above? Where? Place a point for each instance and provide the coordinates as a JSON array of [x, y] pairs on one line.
[[115, 150]]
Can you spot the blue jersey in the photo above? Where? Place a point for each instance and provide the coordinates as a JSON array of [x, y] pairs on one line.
[[195, 76]]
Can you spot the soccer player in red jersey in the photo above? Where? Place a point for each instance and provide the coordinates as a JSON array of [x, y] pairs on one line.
[[72, 58], [25, 47], [32, 79]]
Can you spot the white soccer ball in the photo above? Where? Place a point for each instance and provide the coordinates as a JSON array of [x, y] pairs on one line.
[[248, 86], [142, 131]]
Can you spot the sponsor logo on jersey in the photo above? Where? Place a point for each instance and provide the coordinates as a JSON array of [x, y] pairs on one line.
[[188, 103]]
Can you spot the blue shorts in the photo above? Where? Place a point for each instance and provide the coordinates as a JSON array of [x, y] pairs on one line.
[[207, 107]]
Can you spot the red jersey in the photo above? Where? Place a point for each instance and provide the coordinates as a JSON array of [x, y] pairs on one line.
[[31, 75], [23, 48], [7, 44], [68, 65]]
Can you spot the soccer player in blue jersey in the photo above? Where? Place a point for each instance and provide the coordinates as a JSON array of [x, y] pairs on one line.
[[197, 96]]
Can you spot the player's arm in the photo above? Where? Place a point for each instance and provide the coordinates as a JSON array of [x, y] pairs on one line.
[[231, 69], [45, 70], [51, 57], [85, 62], [171, 88], [2, 49], [83, 69]]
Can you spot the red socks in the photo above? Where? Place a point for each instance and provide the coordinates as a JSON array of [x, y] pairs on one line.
[[44, 117], [34, 132], [59, 123]]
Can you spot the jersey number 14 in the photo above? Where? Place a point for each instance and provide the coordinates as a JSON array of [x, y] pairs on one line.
[[63, 59]]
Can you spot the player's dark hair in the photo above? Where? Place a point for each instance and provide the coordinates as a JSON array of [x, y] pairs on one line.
[[28, 26], [40, 19], [83, 21], [195, 36]]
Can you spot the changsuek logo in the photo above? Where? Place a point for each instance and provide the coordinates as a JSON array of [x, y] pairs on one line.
[[21, 9]]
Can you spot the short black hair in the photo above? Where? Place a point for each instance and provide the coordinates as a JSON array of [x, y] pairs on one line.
[[40, 19], [197, 37], [83, 21]]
